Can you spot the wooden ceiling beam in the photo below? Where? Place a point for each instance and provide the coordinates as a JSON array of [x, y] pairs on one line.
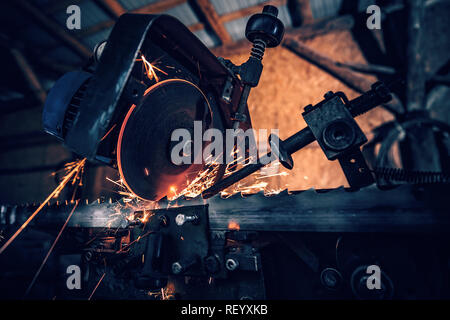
[[151, 8], [305, 32], [250, 10], [59, 5], [28, 72], [54, 28], [113, 7], [159, 6], [214, 22], [301, 12]]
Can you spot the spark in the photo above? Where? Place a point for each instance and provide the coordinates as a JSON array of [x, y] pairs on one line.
[[166, 293], [98, 283], [109, 131], [233, 225], [74, 170], [203, 181], [150, 69]]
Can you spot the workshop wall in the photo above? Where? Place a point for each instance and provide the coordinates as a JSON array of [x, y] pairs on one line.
[[289, 83]]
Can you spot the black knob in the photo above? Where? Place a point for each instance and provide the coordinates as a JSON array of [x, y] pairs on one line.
[[265, 27]]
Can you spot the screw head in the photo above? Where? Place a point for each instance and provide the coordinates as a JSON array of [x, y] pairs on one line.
[[177, 268], [180, 219], [231, 264], [331, 278]]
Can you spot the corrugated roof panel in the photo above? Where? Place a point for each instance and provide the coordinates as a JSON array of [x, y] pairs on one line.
[[135, 4], [184, 13], [224, 7], [325, 8], [236, 28], [92, 40], [91, 14], [206, 37]]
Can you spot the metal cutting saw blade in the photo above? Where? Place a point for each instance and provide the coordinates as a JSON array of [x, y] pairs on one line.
[[144, 145]]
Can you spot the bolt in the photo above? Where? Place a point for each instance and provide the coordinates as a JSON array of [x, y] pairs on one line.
[[231, 264], [177, 268], [181, 219], [331, 278], [88, 256]]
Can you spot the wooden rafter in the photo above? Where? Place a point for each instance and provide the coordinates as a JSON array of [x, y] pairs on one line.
[[156, 7], [214, 21], [304, 32], [113, 7], [301, 12], [250, 10], [59, 5], [54, 28], [159, 6], [85, 32], [30, 76]]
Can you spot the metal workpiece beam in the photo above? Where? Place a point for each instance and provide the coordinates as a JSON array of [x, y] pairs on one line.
[[367, 210], [214, 22], [406, 209], [54, 28]]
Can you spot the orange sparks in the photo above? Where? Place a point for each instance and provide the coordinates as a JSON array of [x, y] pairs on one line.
[[233, 225], [74, 171], [150, 69], [95, 289], [203, 181]]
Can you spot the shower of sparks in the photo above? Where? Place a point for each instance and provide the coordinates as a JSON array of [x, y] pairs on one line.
[[203, 181], [166, 293], [150, 69], [125, 248], [95, 289], [50, 250], [246, 187], [74, 171]]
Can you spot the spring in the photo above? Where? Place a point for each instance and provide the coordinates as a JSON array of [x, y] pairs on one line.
[[413, 177], [259, 47]]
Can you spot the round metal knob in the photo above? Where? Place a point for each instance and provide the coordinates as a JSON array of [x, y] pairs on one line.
[[265, 26]]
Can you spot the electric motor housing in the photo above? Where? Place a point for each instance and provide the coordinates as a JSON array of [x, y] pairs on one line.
[[87, 109]]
